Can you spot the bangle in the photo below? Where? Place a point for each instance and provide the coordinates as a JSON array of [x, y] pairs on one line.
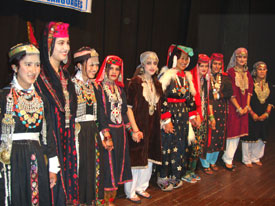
[[211, 117], [107, 138], [248, 108], [267, 115], [239, 110]]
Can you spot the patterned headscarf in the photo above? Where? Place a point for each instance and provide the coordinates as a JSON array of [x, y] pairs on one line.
[[111, 59], [256, 66], [240, 51]]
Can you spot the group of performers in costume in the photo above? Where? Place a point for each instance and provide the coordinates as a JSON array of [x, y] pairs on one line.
[[72, 140]]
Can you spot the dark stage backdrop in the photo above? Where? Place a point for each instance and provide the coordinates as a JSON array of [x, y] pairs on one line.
[[128, 27]]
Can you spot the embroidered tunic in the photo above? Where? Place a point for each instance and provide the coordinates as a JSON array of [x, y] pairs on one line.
[[118, 166], [242, 85], [259, 102], [88, 142], [178, 105], [216, 141], [149, 148], [26, 180]]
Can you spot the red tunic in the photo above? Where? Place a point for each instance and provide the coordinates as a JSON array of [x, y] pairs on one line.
[[237, 126]]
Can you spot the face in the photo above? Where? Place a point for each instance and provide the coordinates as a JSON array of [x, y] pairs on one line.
[[216, 66], [203, 68], [29, 69], [150, 66], [61, 49], [183, 61], [261, 72], [90, 70], [113, 73], [241, 60]]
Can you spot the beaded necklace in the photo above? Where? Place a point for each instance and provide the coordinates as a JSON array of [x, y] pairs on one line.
[[216, 83], [181, 89], [28, 107]]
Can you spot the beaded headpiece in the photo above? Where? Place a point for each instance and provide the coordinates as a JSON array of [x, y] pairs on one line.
[[22, 49], [241, 52], [111, 59], [85, 53], [57, 30]]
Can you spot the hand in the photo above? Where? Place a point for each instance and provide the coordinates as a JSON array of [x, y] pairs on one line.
[[108, 144], [169, 128], [241, 111], [255, 117], [262, 117], [213, 124], [53, 179], [245, 110], [198, 121], [137, 136], [215, 96]]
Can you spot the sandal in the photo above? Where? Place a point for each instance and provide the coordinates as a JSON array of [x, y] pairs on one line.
[[164, 184], [208, 171], [259, 163], [176, 183], [135, 199], [214, 167], [231, 169], [189, 178], [144, 194], [197, 177]]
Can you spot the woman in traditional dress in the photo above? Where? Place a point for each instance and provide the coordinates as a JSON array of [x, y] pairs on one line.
[[221, 89], [88, 142], [239, 104], [55, 83], [201, 77], [26, 134], [261, 104], [144, 105], [178, 108], [116, 159]]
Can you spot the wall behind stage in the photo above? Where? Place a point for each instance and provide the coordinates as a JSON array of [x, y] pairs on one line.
[[128, 27]]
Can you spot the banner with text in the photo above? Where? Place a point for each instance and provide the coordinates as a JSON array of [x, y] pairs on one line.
[[79, 5]]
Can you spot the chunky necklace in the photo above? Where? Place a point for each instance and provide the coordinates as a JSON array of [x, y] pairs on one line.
[[181, 89], [150, 95], [216, 82], [28, 107], [262, 90], [64, 83], [241, 79], [115, 100]]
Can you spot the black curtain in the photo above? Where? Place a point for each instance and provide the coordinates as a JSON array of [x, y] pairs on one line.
[[128, 27]]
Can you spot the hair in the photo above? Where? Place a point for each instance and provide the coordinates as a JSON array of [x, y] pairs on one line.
[[16, 59]]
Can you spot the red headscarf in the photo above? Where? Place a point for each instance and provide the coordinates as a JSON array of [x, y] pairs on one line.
[[218, 57], [111, 59]]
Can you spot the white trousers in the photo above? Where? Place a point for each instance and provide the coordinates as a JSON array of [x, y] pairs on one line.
[[140, 183], [252, 152], [231, 147]]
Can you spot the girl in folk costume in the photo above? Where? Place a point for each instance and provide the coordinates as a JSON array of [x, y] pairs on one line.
[[239, 104], [144, 105], [26, 135], [221, 90], [55, 83], [177, 110], [201, 76], [261, 104], [116, 158], [88, 142]]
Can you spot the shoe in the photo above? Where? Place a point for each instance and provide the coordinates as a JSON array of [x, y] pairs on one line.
[[208, 171], [164, 184], [135, 199], [259, 163], [231, 169], [189, 178], [176, 183], [197, 177], [214, 167], [249, 165], [144, 194]]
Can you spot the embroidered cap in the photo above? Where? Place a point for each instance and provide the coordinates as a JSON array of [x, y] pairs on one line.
[[85, 53], [21, 48]]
